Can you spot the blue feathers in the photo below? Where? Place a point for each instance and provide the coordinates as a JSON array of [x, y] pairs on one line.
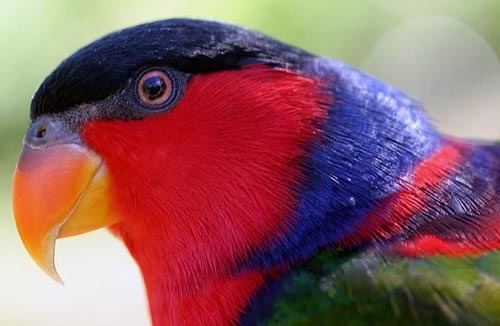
[[373, 138]]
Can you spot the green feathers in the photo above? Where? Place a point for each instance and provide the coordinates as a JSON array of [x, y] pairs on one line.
[[376, 289]]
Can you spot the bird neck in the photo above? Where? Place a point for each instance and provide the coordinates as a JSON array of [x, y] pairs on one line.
[[217, 300], [185, 287]]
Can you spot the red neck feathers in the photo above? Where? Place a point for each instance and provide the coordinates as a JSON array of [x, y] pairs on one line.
[[200, 186]]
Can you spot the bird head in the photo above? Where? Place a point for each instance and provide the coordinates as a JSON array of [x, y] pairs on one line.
[[179, 135]]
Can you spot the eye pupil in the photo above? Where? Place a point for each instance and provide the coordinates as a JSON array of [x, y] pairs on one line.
[[154, 87]]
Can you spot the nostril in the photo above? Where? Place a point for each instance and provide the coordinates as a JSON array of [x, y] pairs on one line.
[[41, 132], [47, 131]]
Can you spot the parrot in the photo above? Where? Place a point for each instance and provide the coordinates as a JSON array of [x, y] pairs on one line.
[[255, 183]]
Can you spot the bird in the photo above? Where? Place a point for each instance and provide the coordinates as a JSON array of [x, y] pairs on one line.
[[254, 182]]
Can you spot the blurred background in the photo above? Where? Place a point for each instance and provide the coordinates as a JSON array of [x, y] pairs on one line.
[[443, 52]]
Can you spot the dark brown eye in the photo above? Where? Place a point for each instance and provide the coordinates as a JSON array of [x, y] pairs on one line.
[[154, 88]]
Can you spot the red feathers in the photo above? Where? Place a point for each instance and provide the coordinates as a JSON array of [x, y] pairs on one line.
[[200, 186], [433, 245], [390, 216]]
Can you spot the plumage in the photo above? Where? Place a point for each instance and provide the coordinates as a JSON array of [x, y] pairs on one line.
[[381, 289], [274, 185]]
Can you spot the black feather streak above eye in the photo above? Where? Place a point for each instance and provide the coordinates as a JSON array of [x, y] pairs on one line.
[[102, 68]]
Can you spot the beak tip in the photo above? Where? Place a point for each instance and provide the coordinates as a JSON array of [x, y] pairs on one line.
[[57, 279], [51, 271], [53, 274], [42, 252]]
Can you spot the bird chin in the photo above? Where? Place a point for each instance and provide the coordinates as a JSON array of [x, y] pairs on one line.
[[59, 191]]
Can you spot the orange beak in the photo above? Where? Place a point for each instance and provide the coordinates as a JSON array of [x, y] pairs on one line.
[[59, 191]]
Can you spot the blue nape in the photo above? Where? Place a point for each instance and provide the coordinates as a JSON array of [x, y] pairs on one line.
[[373, 138]]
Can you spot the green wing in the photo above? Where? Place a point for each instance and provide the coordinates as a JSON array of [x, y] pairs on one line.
[[376, 289]]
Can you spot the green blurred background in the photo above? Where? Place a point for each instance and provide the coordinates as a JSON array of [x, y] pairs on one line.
[[444, 53]]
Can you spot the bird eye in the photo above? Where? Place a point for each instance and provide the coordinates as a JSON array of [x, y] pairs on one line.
[[154, 88]]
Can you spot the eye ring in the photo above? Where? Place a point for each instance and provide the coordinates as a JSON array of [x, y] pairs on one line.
[[154, 88]]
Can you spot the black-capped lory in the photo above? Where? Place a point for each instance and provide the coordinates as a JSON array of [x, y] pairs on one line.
[[254, 182]]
